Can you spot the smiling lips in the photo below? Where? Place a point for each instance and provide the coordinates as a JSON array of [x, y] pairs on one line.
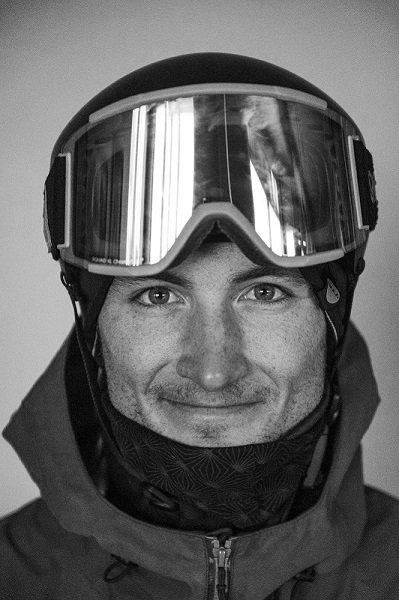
[[209, 406], [224, 400]]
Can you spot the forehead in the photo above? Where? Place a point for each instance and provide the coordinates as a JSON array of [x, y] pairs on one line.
[[221, 262]]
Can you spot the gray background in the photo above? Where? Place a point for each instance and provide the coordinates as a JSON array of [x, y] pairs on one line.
[[56, 55]]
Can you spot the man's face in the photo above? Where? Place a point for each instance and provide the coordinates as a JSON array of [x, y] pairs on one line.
[[216, 351]]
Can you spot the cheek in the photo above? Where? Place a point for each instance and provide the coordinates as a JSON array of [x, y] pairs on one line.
[[134, 351], [308, 339], [290, 346]]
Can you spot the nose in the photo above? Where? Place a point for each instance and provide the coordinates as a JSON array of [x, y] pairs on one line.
[[212, 351]]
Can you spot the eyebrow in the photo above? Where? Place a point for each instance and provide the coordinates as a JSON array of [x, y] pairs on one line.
[[166, 276], [269, 270]]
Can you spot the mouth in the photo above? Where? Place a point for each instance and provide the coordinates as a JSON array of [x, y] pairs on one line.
[[209, 407], [218, 419]]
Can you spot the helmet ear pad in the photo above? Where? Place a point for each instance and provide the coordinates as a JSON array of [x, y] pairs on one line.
[[90, 290], [334, 284]]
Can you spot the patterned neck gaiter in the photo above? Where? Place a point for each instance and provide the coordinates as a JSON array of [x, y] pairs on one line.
[[242, 488]]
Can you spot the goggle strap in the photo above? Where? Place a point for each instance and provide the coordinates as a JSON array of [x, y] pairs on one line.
[[55, 192], [366, 184]]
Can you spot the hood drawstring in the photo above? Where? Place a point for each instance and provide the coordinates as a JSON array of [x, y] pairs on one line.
[[306, 576], [283, 593], [118, 569]]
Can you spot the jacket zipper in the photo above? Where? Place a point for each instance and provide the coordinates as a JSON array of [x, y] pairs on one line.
[[219, 558]]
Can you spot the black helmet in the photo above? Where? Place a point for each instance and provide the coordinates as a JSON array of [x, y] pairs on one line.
[[159, 159]]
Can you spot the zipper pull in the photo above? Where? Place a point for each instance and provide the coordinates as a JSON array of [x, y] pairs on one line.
[[221, 553]]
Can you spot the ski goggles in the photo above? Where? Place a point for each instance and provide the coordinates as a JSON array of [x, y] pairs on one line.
[[148, 177]]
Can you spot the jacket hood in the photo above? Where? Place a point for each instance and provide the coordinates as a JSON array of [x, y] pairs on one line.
[[323, 537]]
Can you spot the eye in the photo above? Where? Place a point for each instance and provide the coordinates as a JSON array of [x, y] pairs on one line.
[[265, 293], [157, 296]]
